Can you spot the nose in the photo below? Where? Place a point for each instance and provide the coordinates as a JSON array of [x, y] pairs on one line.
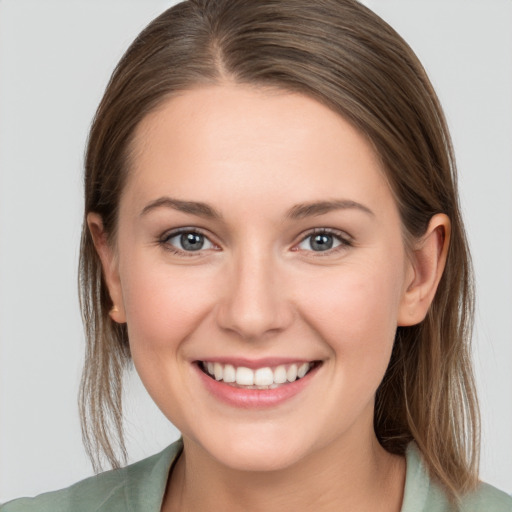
[[254, 302]]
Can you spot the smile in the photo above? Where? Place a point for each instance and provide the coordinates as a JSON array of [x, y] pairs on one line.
[[259, 378]]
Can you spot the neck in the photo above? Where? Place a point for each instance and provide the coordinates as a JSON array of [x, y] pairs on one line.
[[341, 476]]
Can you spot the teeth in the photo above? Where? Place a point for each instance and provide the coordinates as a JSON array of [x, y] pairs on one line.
[[291, 374], [229, 373], [302, 370], [244, 376], [262, 378], [280, 375], [218, 371]]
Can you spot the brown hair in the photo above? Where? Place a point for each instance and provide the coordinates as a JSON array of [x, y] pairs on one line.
[[343, 55]]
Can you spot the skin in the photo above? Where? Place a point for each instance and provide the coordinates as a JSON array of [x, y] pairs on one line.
[[258, 289]]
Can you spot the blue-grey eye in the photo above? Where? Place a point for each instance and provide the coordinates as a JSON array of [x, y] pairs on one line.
[[190, 241], [319, 242]]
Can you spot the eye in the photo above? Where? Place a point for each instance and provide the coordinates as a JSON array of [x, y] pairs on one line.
[[322, 240], [187, 241]]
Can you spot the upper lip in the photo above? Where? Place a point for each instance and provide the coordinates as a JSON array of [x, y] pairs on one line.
[[256, 363]]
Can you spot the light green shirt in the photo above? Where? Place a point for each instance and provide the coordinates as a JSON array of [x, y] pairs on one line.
[[140, 487]]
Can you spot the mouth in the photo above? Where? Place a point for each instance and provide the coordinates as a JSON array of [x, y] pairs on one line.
[[267, 377]]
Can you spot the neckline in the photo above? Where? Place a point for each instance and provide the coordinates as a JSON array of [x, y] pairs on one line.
[[147, 491]]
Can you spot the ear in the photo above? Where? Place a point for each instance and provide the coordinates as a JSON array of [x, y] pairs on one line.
[[427, 263], [109, 264]]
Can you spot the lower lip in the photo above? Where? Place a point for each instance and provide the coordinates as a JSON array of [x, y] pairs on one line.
[[254, 398]]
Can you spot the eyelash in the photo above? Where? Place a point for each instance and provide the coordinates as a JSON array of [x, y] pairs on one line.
[[164, 241], [343, 239]]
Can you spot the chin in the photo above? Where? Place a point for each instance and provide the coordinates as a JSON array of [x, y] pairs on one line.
[[253, 460], [257, 453]]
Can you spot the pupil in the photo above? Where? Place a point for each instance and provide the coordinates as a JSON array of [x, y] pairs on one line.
[[192, 241], [321, 242]]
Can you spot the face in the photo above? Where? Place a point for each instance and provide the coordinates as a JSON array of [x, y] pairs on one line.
[[257, 240]]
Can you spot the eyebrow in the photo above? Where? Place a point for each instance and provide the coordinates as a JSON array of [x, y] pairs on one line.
[[299, 211], [312, 209], [193, 207]]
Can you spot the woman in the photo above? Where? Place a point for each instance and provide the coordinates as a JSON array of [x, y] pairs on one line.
[[272, 235]]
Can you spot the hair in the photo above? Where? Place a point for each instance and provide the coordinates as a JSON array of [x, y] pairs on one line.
[[344, 56]]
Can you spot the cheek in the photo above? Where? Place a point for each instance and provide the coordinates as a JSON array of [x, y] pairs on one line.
[[356, 313], [164, 306], [162, 303]]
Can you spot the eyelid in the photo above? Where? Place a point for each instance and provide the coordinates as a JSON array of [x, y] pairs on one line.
[[343, 237], [163, 240]]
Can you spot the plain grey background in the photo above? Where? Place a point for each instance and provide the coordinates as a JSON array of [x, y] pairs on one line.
[[55, 59]]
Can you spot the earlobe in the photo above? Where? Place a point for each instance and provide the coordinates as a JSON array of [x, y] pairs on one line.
[[109, 265], [428, 260], [116, 315]]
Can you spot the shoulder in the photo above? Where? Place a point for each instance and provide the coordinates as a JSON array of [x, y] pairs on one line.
[[423, 494], [487, 498], [139, 486]]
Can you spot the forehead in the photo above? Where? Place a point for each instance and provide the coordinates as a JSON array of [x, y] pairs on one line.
[[231, 140]]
